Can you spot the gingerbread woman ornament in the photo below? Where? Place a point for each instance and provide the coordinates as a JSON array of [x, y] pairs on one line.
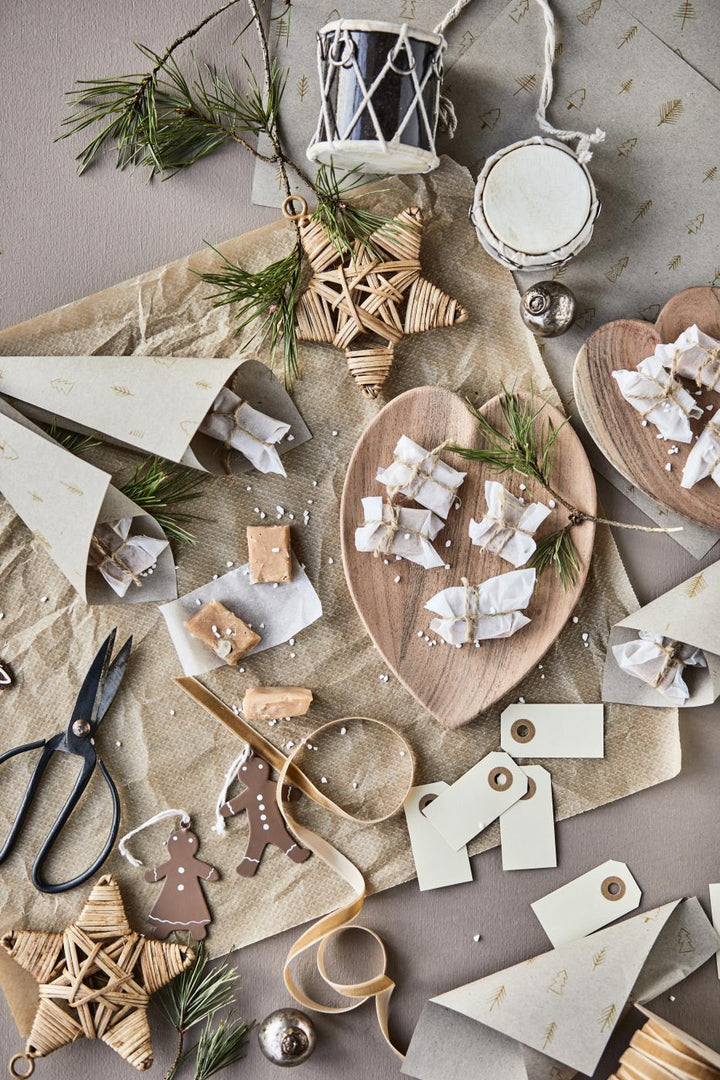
[[181, 905], [267, 825]]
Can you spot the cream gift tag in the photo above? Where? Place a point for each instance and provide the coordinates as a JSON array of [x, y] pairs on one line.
[[527, 829], [437, 864], [584, 905], [553, 731], [715, 910], [475, 800]]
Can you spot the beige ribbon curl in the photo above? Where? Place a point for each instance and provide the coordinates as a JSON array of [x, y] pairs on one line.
[[320, 935]]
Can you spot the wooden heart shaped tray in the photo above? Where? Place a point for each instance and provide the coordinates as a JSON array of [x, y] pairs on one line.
[[455, 685], [615, 425]]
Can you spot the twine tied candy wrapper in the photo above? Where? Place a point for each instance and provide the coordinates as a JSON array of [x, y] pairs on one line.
[[508, 526], [120, 558], [659, 661], [380, 986], [493, 609], [366, 300], [704, 458], [398, 530], [693, 355], [419, 474], [95, 980], [240, 427], [659, 398]]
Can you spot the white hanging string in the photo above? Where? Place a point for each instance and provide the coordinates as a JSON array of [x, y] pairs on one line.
[[122, 846], [584, 141], [220, 824]]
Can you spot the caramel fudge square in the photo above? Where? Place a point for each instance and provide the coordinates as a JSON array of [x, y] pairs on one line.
[[223, 632], [269, 553]]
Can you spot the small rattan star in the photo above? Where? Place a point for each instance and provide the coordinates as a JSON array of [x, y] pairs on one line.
[[366, 301], [95, 980]]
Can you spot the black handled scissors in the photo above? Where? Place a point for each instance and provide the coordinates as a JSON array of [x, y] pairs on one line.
[[97, 693]]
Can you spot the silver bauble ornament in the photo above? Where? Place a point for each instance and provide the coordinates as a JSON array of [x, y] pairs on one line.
[[287, 1037], [548, 308]]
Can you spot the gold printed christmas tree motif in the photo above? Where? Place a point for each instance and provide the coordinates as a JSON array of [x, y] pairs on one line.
[[489, 119], [549, 1034], [95, 978], [643, 209], [695, 225], [303, 85], [599, 958], [685, 13], [366, 300], [709, 175], [626, 147], [607, 1017], [685, 941], [674, 263], [671, 111], [625, 86], [589, 12], [627, 36], [695, 586], [559, 982], [617, 268], [576, 100], [497, 998], [525, 82], [519, 11]]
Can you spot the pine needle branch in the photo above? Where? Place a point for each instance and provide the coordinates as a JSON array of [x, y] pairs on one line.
[[346, 224], [221, 1045], [558, 550], [73, 441], [195, 996], [161, 487], [268, 297]]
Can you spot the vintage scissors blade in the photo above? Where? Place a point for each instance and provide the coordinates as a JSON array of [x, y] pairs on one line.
[[115, 676], [88, 700]]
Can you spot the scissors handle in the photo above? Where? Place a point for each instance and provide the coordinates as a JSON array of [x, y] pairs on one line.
[[37, 877], [30, 791]]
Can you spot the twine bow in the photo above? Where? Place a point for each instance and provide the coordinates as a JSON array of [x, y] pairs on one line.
[[418, 476], [104, 555], [668, 390], [500, 524], [712, 357], [471, 610], [390, 528]]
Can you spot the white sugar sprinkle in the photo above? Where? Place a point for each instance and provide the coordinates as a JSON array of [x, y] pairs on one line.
[[275, 550], [521, 700], [291, 641], [292, 655], [229, 563], [256, 509], [385, 562], [43, 599], [314, 483], [396, 579], [331, 562], [644, 423], [448, 543], [263, 515], [419, 633], [334, 433], [275, 584], [172, 712], [551, 504], [323, 779], [457, 505], [290, 438], [523, 487], [343, 731], [248, 488], [476, 937], [447, 565], [575, 618], [280, 509], [585, 637], [355, 783], [668, 467]]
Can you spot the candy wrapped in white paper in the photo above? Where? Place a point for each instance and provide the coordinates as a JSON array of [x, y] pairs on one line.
[[421, 475], [121, 558], [659, 398], [236, 424], [659, 661], [391, 530], [508, 526], [704, 458], [492, 609], [693, 355]]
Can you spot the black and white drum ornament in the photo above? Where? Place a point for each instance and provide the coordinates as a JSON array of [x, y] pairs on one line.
[[535, 202], [380, 96]]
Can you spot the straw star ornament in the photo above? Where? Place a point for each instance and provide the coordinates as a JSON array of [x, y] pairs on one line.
[[366, 300], [94, 980]]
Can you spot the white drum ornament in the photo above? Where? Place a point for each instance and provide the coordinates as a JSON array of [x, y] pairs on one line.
[[535, 205], [380, 94]]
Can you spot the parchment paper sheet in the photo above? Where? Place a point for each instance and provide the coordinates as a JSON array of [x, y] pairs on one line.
[[162, 759]]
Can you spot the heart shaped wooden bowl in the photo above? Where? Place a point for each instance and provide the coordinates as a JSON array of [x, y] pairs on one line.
[[455, 685], [615, 425]]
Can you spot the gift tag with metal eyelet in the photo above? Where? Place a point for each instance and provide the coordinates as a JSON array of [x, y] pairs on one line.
[[527, 829], [553, 731], [589, 902], [477, 799], [437, 864]]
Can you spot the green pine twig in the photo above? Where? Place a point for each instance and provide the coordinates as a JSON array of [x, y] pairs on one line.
[[160, 487], [73, 441], [557, 550], [346, 224], [221, 1045]]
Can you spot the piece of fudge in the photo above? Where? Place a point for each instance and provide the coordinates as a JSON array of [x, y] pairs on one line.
[[276, 702], [269, 553], [223, 632]]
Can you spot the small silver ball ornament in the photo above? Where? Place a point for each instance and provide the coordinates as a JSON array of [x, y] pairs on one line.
[[287, 1037], [548, 308]]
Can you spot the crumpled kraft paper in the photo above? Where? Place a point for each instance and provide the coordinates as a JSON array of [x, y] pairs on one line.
[[160, 748]]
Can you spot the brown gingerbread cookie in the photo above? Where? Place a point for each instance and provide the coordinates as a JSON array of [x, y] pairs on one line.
[[267, 825], [181, 904]]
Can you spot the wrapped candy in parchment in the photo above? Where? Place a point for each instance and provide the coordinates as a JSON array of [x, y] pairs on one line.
[[238, 426], [659, 398], [508, 526], [120, 558], [693, 355], [659, 662], [704, 458], [399, 530], [421, 475], [492, 609]]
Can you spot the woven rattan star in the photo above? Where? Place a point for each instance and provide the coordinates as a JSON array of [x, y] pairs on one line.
[[367, 300], [95, 979]]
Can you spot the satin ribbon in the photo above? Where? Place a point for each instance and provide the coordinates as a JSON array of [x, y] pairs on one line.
[[380, 986]]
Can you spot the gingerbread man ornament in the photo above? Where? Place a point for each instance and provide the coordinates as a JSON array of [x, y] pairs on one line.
[[181, 905], [267, 825]]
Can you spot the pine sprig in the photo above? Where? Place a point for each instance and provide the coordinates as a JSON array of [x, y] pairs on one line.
[[160, 487], [221, 1045], [346, 224], [73, 441], [195, 997], [267, 297], [558, 550]]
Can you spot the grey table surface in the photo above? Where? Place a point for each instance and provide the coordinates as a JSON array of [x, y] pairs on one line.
[[63, 238]]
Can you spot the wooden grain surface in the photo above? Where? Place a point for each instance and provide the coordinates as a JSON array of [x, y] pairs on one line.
[[456, 685], [616, 426]]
